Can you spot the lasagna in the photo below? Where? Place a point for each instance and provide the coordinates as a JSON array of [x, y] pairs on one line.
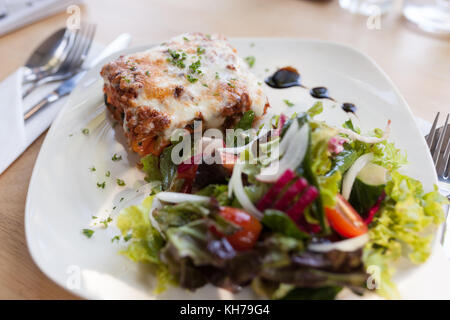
[[190, 77]]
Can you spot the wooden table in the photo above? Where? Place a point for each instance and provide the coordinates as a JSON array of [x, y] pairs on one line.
[[418, 64]]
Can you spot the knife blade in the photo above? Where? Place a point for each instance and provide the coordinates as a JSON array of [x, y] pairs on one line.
[[121, 42]]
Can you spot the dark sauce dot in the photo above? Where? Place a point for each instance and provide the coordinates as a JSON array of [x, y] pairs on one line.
[[284, 78], [349, 107], [319, 93]]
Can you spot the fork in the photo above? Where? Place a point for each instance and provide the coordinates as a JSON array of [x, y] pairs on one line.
[[439, 145], [74, 60]]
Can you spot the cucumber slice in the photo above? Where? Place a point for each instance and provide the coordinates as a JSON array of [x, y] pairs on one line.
[[369, 184], [373, 175]]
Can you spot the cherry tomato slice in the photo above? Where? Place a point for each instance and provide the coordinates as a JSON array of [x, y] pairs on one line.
[[345, 220], [245, 238]]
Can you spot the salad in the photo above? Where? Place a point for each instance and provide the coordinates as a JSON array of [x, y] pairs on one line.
[[298, 209]]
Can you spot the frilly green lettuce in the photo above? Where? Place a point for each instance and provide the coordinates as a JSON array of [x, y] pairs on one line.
[[400, 228], [144, 242]]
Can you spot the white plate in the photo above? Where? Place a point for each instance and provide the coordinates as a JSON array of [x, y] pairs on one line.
[[63, 195]]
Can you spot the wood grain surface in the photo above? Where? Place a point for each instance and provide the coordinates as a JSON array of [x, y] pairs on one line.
[[417, 63]]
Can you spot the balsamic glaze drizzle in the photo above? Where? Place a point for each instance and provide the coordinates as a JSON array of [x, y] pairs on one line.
[[289, 77], [284, 78]]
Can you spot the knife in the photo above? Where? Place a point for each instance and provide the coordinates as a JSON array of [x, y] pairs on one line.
[[121, 42]]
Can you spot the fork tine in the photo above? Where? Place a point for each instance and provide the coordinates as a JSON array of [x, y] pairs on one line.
[[71, 63], [430, 138], [72, 51], [437, 151], [84, 50], [446, 161]]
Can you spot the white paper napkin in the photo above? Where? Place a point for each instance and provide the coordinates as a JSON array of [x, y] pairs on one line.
[[15, 133]]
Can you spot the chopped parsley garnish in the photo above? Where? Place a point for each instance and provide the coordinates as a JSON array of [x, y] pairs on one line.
[[147, 73], [231, 85], [101, 185], [191, 79], [127, 237], [85, 131], [115, 157], [185, 39], [108, 174], [177, 58], [121, 199], [88, 232], [133, 68], [250, 61], [92, 169], [288, 103], [217, 75], [115, 238], [94, 217], [200, 50], [106, 221], [120, 182], [205, 85], [126, 79], [194, 67]]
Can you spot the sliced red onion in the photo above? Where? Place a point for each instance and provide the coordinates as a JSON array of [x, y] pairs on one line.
[[305, 200], [273, 192], [347, 245], [284, 202], [293, 157], [355, 136], [175, 197], [156, 204], [238, 189], [350, 176], [239, 150]]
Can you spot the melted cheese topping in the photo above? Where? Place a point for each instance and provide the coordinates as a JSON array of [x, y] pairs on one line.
[[192, 76]]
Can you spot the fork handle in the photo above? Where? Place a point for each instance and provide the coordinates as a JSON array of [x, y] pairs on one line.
[[52, 97]]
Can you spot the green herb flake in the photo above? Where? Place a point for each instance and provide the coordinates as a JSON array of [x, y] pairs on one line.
[[88, 233], [191, 79], [108, 174], [101, 185], [147, 73], [250, 61], [200, 50], [205, 85], [194, 67], [288, 103], [92, 169], [106, 222], [185, 39], [115, 238], [121, 199], [120, 182], [127, 237], [116, 157], [85, 131]]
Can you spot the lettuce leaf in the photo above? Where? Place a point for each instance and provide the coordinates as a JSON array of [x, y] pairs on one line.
[[150, 165], [400, 228], [144, 241]]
